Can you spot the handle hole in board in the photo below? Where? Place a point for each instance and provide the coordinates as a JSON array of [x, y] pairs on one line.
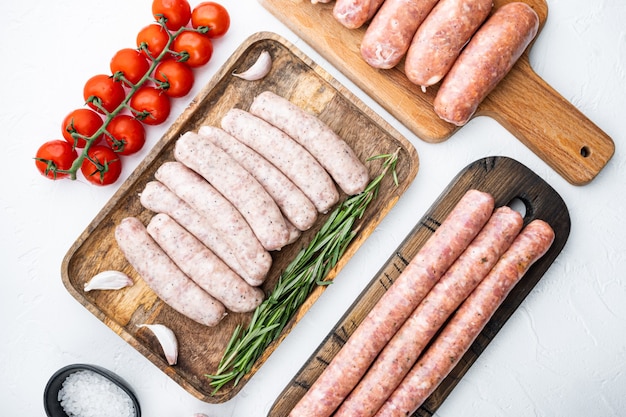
[[585, 151], [518, 205]]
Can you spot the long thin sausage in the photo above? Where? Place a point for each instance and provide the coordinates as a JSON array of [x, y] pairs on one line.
[[459, 334], [294, 204], [397, 358], [235, 183], [355, 13], [440, 38], [203, 266], [330, 150], [389, 34], [160, 199], [163, 276], [485, 61], [224, 217], [394, 307], [286, 154]]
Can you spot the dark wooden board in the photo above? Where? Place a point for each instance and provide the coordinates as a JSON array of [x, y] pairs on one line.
[[523, 103], [295, 77], [507, 180]]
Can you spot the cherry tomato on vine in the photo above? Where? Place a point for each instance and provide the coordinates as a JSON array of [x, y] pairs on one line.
[[101, 166], [194, 48], [128, 134], [105, 90], [213, 16], [131, 63], [154, 38], [150, 105], [57, 154], [177, 12], [84, 122], [177, 77]]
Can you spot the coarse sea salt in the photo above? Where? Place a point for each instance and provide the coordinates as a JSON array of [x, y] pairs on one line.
[[88, 394]]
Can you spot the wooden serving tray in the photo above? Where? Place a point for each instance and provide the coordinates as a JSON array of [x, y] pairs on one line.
[[507, 180], [523, 103], [294, 76]]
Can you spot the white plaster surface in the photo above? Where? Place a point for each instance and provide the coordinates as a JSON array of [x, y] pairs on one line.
[[563, 353]]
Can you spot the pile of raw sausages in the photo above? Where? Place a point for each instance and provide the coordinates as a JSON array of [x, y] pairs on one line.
[[406, 346], [451, 40], [232, 195]]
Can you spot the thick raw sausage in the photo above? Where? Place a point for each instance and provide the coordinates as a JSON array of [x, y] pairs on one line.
[[286, 154], [394, 307], [160, 199], [163, 276], [235, 183], [472, 316], [203, 266], [330, 150], [397, 358], [389, 34], [440, 38], [295, 205], [354, 13], [224, 217], [487, 58]]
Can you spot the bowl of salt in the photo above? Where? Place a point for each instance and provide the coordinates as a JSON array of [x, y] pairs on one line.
[[89, 391]]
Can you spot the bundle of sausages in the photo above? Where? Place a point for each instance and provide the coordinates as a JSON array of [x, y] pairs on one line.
[[229, 199], [406, 346], [451, 40]]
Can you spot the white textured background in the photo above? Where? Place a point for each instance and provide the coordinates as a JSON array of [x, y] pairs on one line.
[[562, 354]]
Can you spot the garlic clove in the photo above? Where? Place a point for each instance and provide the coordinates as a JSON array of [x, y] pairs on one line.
[[108, 280], [200, 415], [259, 69], [167, 339]]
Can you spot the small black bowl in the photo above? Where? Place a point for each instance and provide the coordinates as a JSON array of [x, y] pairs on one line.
[[50, 395]]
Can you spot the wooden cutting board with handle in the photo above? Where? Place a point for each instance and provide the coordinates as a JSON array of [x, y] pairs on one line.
[[523, 103]]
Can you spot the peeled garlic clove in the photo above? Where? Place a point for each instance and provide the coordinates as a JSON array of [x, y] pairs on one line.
[[108, 280], [167, 339], [259, 69]]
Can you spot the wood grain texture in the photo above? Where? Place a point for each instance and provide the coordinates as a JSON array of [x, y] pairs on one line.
[[523, 103], [507, 180], [295, 77]]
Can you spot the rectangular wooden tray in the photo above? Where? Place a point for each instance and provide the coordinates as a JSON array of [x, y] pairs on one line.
[[508, 181], [523, 103], [295, 77]]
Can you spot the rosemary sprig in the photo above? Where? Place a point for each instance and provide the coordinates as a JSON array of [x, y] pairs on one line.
[[307, 270]]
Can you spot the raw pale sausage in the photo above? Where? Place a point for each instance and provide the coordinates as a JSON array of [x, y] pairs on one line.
[[163, 276], [235, 183], [224, 217], [294, 204], [354, 13], [440, 38], [203, 266], [160, 199], [459, 334], [389, 34], [487, 58], [286, 154], [397, 358], [394, 307], [330, 150]]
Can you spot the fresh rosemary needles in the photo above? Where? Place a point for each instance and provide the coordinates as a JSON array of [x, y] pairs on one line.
[[307, 270]]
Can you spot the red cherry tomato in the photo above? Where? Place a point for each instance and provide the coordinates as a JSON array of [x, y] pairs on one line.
[[83, 122], [101, 166], [152, 40], [177, 77], [194, 48], [177, 12], [213, 16], [53, 156], [127, 134], [105, 90], [150, 105], [131, 63]]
